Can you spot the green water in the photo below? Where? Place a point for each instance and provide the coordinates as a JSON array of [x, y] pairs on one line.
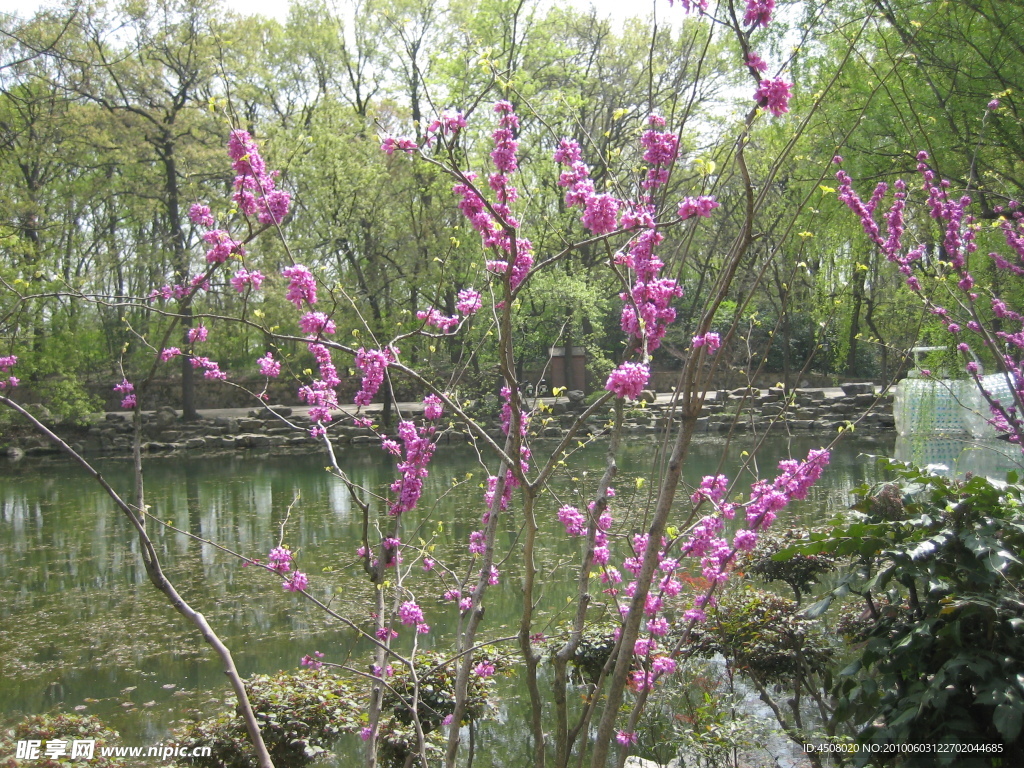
[[82, 629]]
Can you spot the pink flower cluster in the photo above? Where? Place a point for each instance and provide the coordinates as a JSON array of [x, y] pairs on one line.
[[168, 292], [774, 94], [269, 366], [711, 341], [660, 148], [495, 221], [697, 206], [316, 324], [469, 302], [313, 662], [410, 613], [402, 143], [321, 394], [222, 246], [759, 12], [6, 363], [197, 334], [245, 279], [297, 582], [647, 311], [959, 242], [373, 363], [628, 380], [127, 389], [418, 448], [211, 368], [255, 188], [280, 559], [301, 285]]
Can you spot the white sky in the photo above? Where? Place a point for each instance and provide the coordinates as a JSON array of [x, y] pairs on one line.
[[618, 9]]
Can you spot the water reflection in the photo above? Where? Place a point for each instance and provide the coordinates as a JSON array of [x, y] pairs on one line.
[[80, 625]]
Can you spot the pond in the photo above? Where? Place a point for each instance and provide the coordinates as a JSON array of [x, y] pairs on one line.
[[82, 629]]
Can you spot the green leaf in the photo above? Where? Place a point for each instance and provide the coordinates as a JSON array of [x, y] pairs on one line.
[[1007, 719], [817, 609]]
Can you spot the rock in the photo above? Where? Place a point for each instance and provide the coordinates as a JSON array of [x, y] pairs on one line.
[[576, 396], [862, 388], [165, 416], [273, 411], [648, 395], [114, 417], [14, 453]]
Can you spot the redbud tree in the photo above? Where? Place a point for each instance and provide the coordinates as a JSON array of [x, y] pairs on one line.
[[701, 528]]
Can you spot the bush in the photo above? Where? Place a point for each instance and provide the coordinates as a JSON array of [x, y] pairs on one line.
[[59, 726]]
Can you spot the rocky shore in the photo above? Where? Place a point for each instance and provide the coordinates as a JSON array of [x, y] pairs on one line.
[[287, 429]]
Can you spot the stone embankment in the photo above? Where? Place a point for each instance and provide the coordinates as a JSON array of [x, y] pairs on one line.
[[287, 429]]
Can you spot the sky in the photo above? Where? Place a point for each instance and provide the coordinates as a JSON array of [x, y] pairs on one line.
[[278, 9]]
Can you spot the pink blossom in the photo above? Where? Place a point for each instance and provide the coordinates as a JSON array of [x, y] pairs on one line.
[[244, 277], [316, 324], [200, 215], [313, 662], [410, 613], [197, 334], [301, 285], [373, 363], [296, 583], [433, 408], [625, 738], [710, 340], [125, 388], [774, 95], [756, 63], [663, 665], [477, 543], [600, 214], [405, 144], [269, 366], [168, 353], [573, 520], [222, 246], [483, 669], [418, 450], [759, 12], [697, 206], [280, 559], [438, 320], [628, 380], [469, 302]]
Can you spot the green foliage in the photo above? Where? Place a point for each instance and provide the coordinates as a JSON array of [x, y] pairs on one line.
[[799, 571], [299, 715], [764, 635], [592, 652], [59, 726], [302, 713], [937, 564]]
